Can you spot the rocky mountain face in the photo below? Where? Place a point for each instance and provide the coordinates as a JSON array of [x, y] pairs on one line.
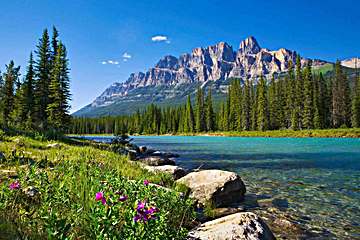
[[215, 63], [351, 63]]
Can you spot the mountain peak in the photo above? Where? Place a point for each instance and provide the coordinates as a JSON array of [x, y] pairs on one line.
[[249, 46]]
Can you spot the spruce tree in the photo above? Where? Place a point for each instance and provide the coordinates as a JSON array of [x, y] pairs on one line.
[[341, 103], [246, 106], [10, 77], [307, 116], [262, 106], [27, 98], [210, 115], [189, 117], [355, 106], [200, 122], [299, 93], [43, 67], [254, 107]]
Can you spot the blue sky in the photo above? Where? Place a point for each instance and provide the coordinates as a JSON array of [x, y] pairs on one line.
[[98, 32]]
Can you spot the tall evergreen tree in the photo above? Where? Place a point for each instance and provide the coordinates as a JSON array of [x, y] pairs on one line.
[[254, 107], [299, 94], [307, 116], [200, 121], [210, 115], [246, 106], [27, 98], [189, 123], [262, 106], [43, 67], [11, 76], [355, 106], [341, 103]]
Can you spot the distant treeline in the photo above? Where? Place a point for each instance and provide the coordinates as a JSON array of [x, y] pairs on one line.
[[298, 100], [39, 101]]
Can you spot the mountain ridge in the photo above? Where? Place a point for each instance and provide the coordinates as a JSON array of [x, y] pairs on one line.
[[215, 63]]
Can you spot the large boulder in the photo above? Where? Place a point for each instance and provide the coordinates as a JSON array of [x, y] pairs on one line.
[[157, 161], [238, 226], [221, 188], [176, 171]]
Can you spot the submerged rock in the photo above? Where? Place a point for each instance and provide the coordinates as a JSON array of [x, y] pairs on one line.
[[175, 171], [157, 161], [238, 226], [220, 188]]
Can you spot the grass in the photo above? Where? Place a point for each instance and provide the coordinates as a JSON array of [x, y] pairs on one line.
[[65, 179]]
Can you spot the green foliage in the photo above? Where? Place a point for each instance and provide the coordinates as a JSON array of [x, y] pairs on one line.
[[59, 202]]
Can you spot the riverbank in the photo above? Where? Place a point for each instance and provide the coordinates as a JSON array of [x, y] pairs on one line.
[[316, 133], [75, 189]]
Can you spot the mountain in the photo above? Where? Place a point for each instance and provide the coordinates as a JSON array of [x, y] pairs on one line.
[[351, 63], [173, 78]]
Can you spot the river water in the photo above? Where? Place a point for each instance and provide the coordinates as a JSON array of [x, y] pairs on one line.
[[304, 188]]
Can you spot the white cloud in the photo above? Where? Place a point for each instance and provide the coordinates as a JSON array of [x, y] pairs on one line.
[[125, 59], [113, 62], [160, 38], [126, 55]]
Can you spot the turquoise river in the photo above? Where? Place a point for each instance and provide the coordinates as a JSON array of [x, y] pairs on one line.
[[305, 188]]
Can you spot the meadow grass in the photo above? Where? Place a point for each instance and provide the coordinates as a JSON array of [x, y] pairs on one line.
[[58, 185]]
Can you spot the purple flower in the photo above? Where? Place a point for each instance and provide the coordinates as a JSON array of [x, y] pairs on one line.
[[140, 206], [137, 218], [15, 185], [123, 198], [99, 196], [146, 182]]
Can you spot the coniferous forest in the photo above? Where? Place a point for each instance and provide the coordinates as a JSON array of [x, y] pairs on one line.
[[40, 100], [298, 100]]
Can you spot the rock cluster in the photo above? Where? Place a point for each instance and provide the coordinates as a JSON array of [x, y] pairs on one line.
[[216, 187]]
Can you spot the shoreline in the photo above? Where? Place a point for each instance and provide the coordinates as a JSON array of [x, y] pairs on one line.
[[319, 133]]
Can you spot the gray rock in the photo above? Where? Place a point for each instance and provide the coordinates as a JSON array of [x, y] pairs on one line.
[[132, 155], [239, 226], [31, 191], [142, 149], [156, 161], [54, 145], [175, 171], [221, 188]]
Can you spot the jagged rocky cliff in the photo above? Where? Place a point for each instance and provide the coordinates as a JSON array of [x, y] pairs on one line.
[[217, 63]]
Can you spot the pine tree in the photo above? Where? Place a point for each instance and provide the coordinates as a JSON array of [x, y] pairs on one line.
[[262, 106], [210, 115], [235, 108], [254, 107], [11, 76], [355, 106], [341, 103], [189, 117], [246, 106], [307, 117], [43, 67], [299, 93], [27, 98], [200, 122]]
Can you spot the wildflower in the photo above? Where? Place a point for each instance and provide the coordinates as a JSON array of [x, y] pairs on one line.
[[146, 182], [123, 198], [100, 197], [140, 206], [15, 185], [145, 213]]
